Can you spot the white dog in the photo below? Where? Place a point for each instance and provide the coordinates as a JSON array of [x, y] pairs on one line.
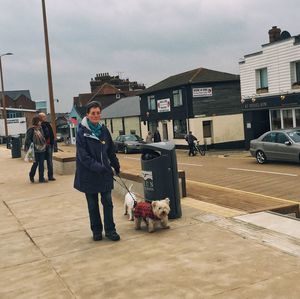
[[130, 198], [152, 213]]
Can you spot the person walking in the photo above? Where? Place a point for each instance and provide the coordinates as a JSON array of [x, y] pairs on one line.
[[95, 157], [156, 136], [49, 136], [149, 137], [35, 135], [190, 138]]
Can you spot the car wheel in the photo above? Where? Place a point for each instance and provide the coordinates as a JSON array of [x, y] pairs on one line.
[[126, 150], [261, 157]]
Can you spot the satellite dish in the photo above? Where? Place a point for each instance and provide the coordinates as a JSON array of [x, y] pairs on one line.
[[285, 35]]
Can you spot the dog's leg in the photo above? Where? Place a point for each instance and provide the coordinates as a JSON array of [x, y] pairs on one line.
[[137, 222], [125, 208], [164, 222], [130, 214], [151, 225]]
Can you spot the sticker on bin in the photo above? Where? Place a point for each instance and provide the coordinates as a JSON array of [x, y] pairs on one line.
[[148, 180]]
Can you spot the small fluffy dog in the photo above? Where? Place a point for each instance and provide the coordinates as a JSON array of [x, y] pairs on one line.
[[152, 213], [129, 203]]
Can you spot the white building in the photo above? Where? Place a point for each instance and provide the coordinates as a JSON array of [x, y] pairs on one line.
[[270, 85]]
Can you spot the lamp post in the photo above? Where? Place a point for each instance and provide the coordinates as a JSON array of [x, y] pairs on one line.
[[3, 95], [50, 85]]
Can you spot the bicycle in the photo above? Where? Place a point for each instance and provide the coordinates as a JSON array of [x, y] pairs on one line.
[[199, 149]]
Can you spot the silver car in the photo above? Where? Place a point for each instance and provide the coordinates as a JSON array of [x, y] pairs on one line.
[[279, 145]]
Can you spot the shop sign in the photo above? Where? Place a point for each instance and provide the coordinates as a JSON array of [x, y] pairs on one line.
[[202, 92], [163, 105]]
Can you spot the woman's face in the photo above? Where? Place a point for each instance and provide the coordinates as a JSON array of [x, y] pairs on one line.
[[94, 115]]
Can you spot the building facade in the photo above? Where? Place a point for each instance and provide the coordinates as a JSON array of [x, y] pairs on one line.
[[123, 117], [203, 101], [270, 85]]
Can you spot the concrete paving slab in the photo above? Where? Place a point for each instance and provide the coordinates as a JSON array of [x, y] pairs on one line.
[[275, 222], [49, 209], [279, 287], [32, 280], [8, 223], [16, 248], [179, 263]]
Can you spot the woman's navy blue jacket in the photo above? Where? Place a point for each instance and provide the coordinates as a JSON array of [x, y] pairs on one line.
[[94, 159]]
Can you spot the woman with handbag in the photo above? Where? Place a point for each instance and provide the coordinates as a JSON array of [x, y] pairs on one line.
[[34, 135]]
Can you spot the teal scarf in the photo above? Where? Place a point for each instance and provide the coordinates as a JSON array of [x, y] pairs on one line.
[[96, 129]]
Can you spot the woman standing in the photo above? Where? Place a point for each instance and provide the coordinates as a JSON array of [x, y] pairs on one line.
[[95, 155], [35, 135]]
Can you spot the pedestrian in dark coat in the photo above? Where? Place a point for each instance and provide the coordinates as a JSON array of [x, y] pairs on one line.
[[156, 136], [95, 157], [49, 136], [35, 135]]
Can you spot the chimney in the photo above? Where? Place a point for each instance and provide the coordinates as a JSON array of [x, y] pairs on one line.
[[274, 34]]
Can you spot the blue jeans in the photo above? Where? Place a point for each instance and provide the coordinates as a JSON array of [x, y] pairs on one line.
[[39, 162], [48, 158], [95, 218]]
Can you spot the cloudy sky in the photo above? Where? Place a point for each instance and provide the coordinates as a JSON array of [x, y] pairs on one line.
[[145, 40]]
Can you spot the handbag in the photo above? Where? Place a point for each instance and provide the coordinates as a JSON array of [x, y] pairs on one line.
[[29, 157]]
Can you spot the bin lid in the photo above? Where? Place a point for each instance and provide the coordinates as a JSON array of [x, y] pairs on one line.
[[161, 146]]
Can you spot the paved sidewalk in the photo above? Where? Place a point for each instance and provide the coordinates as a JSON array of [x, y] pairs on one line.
[[46, 250]]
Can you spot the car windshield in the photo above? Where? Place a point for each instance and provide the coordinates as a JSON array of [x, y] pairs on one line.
[[294, 135], [132, 138]]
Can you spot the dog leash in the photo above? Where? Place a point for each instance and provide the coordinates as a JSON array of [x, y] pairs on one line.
[[126, 188]]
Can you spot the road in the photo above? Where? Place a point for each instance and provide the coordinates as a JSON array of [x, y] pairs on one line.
[[236, 171]]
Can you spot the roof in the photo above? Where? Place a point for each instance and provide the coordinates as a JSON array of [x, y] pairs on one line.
[[129, 106], [14, 94], [200, 75]]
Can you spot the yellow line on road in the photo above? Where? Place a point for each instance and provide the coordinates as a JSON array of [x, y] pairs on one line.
[[242, 191]]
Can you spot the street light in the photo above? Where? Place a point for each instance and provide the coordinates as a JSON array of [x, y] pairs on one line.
[[3, 95]]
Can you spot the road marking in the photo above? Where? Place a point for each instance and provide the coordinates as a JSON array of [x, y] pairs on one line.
[[187, 164], [261, 171]]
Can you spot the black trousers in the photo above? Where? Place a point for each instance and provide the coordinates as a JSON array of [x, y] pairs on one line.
[[191, 149], [95, 218], [39, 162]]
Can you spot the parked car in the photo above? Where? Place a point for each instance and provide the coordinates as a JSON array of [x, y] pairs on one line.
[[128, 143], [59, 137], [277, 145]]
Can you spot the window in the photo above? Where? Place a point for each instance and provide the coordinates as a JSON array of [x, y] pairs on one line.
[[297, 68], [287, 116], [295, 136], [179, 128], [281, 138], [177, 98], [297, 116], [207, 129], [151, 103], [111, 126], [262, 80], [275, 119], [269, 137]]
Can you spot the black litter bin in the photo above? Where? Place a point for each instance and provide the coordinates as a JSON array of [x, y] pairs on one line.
[[15, 146], [160, 174]]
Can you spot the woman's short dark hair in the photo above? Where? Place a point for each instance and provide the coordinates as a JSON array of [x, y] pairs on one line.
[[91, 105], [35, 120]]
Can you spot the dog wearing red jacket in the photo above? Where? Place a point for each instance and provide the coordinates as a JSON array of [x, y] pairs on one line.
[[153, 213]]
